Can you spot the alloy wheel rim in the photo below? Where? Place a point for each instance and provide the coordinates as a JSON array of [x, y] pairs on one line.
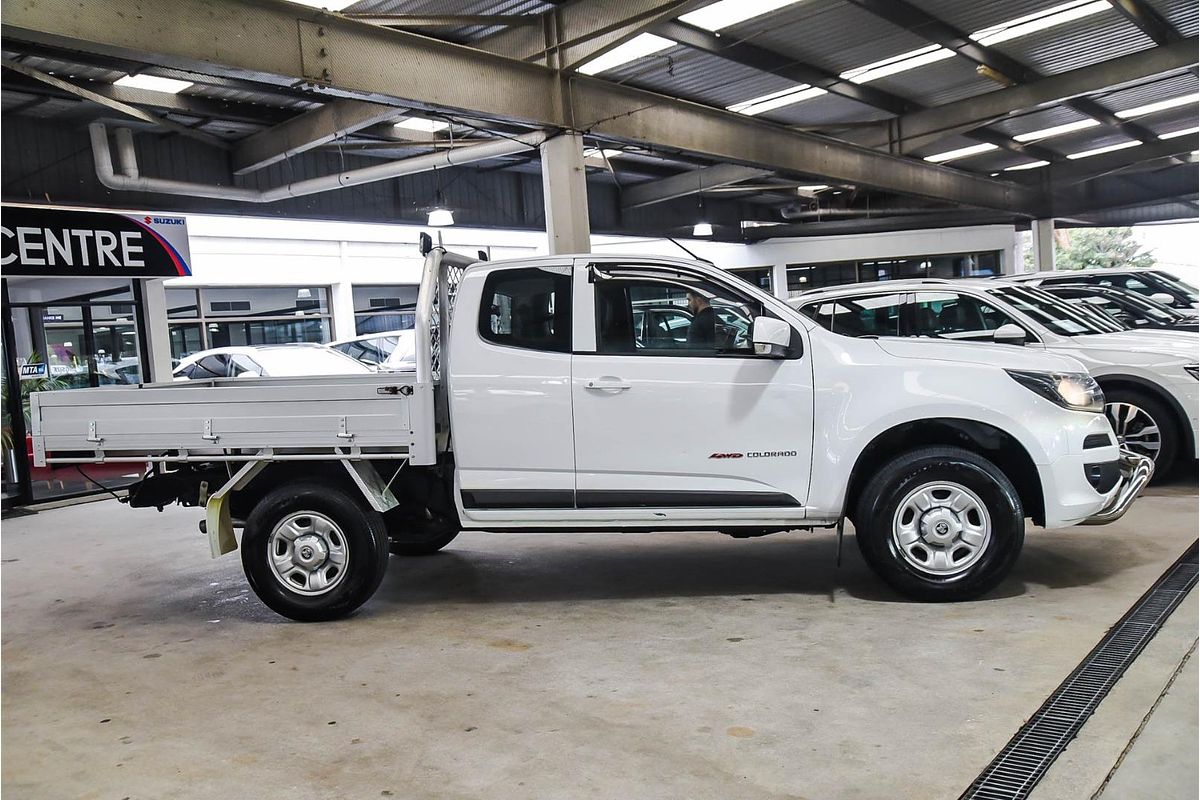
[[308, 553], [941, 529], [1135, 428]]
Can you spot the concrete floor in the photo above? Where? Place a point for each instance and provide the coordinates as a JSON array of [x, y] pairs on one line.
[[582, 666]]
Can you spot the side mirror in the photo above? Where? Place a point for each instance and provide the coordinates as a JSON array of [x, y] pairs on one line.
[[1009, 334], [1164, 298], [772, 337]]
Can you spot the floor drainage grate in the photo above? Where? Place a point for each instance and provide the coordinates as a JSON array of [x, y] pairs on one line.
[[1025, 759]]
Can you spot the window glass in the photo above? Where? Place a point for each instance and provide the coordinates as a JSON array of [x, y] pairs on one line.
[[653, 312], [759, 276], [264, 301], [182, 303], [370, 351], [873, 315], [1055, 313], [241, 364], [949, 315], [215, 366], [528, 308]]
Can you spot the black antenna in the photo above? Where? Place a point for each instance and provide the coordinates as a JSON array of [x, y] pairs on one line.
[[689, 252]]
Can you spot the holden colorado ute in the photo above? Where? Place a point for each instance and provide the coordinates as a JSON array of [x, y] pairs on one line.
[[538, 404]]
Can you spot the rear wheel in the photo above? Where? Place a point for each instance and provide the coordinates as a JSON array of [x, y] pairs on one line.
[[940, 523], [1146, 426], [313, 552]]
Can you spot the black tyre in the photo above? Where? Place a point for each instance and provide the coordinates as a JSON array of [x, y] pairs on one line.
[[940, 524], [420, 542], [1145, 425], [314, 552]]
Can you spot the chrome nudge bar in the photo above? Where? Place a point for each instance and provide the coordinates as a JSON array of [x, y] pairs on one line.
[[1136, 472]]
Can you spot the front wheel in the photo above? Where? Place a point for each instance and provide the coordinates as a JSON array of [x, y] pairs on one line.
[[314, 552], [1146, 426], [940, 524]]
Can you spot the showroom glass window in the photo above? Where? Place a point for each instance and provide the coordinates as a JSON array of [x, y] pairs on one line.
[[872, 315], [87, 333], [378, 309], [950, 315], [802, 277], [200, 319], [649, 312], [528, 308], [758, 276]]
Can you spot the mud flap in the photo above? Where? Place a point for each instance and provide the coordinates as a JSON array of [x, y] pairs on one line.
[[217, 522]]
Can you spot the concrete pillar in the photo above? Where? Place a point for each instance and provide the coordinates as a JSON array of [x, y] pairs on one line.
[[779, 281], [341, 300], [1043, 244], [157, 334], [564, 186]]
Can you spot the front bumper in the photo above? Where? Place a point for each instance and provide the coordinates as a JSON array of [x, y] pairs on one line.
[[1136, 472]]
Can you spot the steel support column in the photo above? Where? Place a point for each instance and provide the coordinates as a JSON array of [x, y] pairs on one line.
[[564, 188]]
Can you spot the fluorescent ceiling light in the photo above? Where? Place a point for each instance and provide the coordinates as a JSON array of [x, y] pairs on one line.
[[594, 153], [1030, 165], [1108, 149], [153, 83], [1177, 134], [724, 13], [1046, 133], [330, 5], [1161, 105], [896, 64], [819, 187], [784, 97], [423, 125], [1040, 21], [638, 47], [961, 152]]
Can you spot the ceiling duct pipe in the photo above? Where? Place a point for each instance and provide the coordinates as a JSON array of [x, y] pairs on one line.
[[794, 212], [131, 180]]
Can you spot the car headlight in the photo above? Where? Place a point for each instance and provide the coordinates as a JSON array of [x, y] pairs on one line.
[[1077, 391], [1193, 370]]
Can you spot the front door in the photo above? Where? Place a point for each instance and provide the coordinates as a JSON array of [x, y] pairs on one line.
[[675, 415]]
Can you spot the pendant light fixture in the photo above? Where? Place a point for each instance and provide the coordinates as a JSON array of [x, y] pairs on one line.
[[439, 215], [701, 228]]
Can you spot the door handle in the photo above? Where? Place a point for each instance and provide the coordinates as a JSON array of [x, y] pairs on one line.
[[607, 384]]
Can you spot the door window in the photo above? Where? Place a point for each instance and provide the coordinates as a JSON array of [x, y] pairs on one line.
[[874, 315], [649, 312], [949, 315], [528, 308]]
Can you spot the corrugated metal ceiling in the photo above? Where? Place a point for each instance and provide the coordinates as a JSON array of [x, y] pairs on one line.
[[1077, 43], [1144, 94]]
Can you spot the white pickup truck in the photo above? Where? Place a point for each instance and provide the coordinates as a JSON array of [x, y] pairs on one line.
[[544, 407]]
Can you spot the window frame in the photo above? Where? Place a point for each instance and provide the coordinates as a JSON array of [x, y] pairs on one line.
[[614, 270], [483, 326]]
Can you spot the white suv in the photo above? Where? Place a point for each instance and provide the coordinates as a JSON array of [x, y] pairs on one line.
[[1152, 283], [1149, 378]]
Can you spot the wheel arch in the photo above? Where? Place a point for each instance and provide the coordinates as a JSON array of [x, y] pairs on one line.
[[989, 441], [1136, 383]]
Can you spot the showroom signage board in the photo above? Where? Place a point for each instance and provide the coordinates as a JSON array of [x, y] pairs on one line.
[[33, 372], [57, 242]]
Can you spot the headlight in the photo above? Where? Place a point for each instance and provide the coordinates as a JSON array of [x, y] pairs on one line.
[[1193, 370], [1077, 391]]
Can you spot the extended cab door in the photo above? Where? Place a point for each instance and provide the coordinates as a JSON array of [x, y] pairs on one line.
[[510, 392], [674, 421]]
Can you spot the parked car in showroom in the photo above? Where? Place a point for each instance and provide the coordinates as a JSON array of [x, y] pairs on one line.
[[389, 350], [1149, 378], [545, 417], [267, 361], [1156, 284], [1133, 310]]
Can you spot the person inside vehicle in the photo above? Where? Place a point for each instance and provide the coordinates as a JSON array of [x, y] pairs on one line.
[[702, 332]]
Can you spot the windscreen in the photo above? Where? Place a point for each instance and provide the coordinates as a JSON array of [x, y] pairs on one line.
[[1055, 313]]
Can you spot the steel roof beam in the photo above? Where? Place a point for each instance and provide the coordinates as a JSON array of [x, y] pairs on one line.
[[688, 183], [115, 105], [761, 58], [281, 43], [908, 16], [331, 121], [920, 128], [1116, 191], [1148, 20], [578, 31], [1059, 175]]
